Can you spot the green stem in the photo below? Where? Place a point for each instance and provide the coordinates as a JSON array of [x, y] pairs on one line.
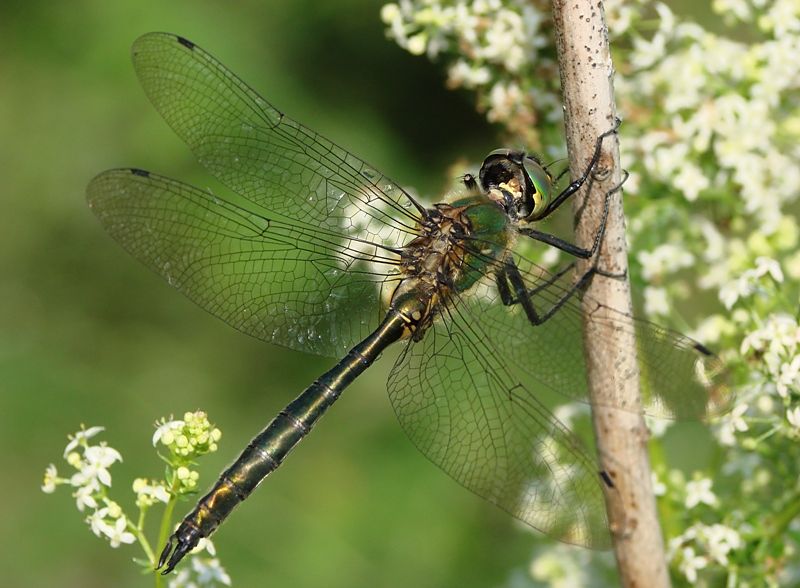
[[166, 521], [137, 530], [786, 516], [166, 524], [765, 436]]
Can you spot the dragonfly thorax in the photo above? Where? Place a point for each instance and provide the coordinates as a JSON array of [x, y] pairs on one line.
[[431, 264]]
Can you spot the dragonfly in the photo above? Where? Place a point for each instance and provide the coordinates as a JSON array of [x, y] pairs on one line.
[[315, 250]]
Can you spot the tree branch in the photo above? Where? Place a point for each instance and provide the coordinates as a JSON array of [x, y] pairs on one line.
[[587, 84]]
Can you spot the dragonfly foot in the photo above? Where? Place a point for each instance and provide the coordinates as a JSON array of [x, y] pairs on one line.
[[183, 541]]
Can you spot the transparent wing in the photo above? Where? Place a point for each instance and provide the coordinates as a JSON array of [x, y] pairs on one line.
[[260, 153], [679, 378], [311, 233], [480, 419], [313, 290], [475, 396]]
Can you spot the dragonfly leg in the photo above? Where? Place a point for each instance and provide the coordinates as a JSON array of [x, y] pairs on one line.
[[575, 185], [511, 279], [572, 249], [508, 298]]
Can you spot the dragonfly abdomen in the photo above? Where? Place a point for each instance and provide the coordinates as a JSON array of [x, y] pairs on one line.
[[269, 448]]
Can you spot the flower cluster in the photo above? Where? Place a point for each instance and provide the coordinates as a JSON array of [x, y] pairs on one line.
[[91, 482], [715, 542], [186, 439], [497, 48], [562, 567], [711, 137]]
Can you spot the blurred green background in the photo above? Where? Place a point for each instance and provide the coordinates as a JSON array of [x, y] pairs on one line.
[[88, 335]]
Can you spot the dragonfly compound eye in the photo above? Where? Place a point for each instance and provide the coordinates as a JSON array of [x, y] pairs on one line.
[[506, 179], [541, 185]]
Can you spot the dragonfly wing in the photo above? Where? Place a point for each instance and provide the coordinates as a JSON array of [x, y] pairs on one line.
[[482, 423], [260, 153], [310, 290], [679, 378]]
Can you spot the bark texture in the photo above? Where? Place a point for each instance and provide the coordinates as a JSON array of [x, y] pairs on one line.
[[588, 92]]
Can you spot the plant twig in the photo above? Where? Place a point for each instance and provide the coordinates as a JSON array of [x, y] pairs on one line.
[[587, 84]]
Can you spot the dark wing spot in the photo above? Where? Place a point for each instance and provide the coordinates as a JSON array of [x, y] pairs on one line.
[[703, 349], [606, 478], [185, 42], [140, 172]]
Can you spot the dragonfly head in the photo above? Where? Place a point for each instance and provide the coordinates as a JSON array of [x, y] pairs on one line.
[[517, 181]]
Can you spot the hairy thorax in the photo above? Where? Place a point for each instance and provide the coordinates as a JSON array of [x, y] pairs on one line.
[[456, 243]]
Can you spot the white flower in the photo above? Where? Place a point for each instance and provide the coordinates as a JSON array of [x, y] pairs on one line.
[[95, 520], [50, 479], [736, 8], [659, 488], [503, 98], [690, 180], [789, 377], [204, 544], [560, 567], [417, 44], [390, 12], [766, 265], [183, 579], [165, 432], [98, 459], [646, 53], [663, 260], [657, 427], [209, 572], [101, 455], [505, 40], [567, 413], [712, 328], [84, 496], [666, 22], [147, 493], [699, 492], [765, 404], [747, 282], [732, 424], [732, 291], [462, 74], [793, 416], [777, 345], [656, 302], [118, 533], [690, 563], [80, 438], [720, 541], [619, 15]]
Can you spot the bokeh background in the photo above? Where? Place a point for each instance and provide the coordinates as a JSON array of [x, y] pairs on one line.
[[88, 335]]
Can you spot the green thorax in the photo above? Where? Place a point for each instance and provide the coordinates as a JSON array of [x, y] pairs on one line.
[[490, 238]]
